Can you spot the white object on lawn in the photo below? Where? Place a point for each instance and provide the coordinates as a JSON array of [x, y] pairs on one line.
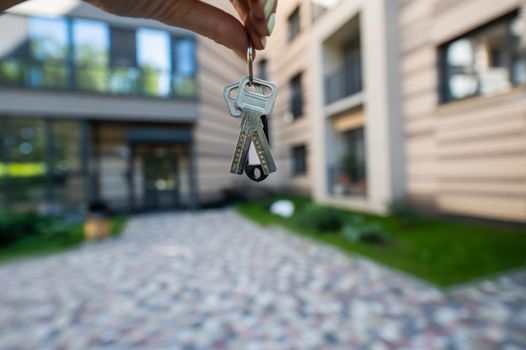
[[283, 208]]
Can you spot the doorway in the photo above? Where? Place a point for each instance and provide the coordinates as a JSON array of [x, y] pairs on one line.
[[160, 172]]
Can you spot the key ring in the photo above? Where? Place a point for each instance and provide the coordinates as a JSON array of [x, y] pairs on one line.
[[250, 59]]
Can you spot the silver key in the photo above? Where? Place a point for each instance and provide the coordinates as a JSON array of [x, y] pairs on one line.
[[250, 123], [257, 99], [231, 101], [253, 105]]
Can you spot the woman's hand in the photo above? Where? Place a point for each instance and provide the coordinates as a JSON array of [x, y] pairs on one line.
[[200, 17]]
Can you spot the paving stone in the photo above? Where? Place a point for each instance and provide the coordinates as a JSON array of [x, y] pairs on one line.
[[213, 280]]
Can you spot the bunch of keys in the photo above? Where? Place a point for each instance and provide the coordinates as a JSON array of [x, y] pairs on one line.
[[254, 101]]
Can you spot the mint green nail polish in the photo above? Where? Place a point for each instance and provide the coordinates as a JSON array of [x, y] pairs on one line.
[[264, 41], [268, 7], [270, 23]]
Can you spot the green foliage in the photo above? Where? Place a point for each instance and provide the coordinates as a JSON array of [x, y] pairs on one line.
[[406, 214], [32, 234], [19, 226], [117, 225], [438, 250], [14, 226], [62, 234], [372, 233], [320, 218], [150, 80]]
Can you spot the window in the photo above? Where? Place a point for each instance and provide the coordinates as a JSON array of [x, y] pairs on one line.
[[90, 55], [91, 40], [353, 163], [299, 160], [485, 62], [296, 97], [68, 181], [23, 168], [49, 52], [262, 69], [123, 61], [153, 56], [353, 67], [40, 165], [347, 80], [348, 177], [293, 24], [185, 67]]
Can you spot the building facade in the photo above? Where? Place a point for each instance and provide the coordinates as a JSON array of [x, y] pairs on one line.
[[379, 101], [94, 107], [337, 122], [464, 101]]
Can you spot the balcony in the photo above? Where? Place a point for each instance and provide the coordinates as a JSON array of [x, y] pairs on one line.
[[62, 76], [345, 82]]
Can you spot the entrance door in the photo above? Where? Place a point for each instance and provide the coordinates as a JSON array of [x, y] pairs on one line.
[[161, 183]]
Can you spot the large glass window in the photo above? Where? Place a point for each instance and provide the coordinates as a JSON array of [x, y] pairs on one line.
[[49, 47], [66, 167], [486, 62], [40, 165], [24, 167], [123, 60], [153, 55], [14, 50], [89, 55], [91, 39], [185, 67]]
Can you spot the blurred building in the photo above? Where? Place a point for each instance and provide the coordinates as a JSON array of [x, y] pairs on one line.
[[380, 101], [338, 126], [383, 101], [95, 107], [463, 78]]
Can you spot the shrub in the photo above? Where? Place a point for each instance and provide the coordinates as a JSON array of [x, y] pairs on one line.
[[14, 226], [62, 233], [372, 233], [321, 218], [406, 214]]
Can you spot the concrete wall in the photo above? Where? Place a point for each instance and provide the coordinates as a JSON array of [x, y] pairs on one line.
[[466, 157], [379, 100]]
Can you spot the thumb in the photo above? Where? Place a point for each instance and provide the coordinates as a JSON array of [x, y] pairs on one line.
[[209, 21]]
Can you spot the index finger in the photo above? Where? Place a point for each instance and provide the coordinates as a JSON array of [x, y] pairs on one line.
[[261, 9]]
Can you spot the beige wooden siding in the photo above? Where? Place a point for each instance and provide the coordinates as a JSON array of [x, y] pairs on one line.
[[216, 131], [285, 60], [468, 157]]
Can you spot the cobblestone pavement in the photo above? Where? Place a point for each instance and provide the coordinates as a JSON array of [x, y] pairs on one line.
[[213, 280]]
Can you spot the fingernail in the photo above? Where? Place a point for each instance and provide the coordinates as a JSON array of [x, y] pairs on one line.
[[269, 6], [264, 41], [270, 23]]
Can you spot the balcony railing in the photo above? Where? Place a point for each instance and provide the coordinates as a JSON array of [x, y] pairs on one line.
[[105, 80], [341, 84]]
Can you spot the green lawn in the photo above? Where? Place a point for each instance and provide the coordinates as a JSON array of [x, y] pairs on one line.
[[443, 252], [33, 245]]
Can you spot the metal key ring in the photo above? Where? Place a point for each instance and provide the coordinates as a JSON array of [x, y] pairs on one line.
[[250, 59]]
